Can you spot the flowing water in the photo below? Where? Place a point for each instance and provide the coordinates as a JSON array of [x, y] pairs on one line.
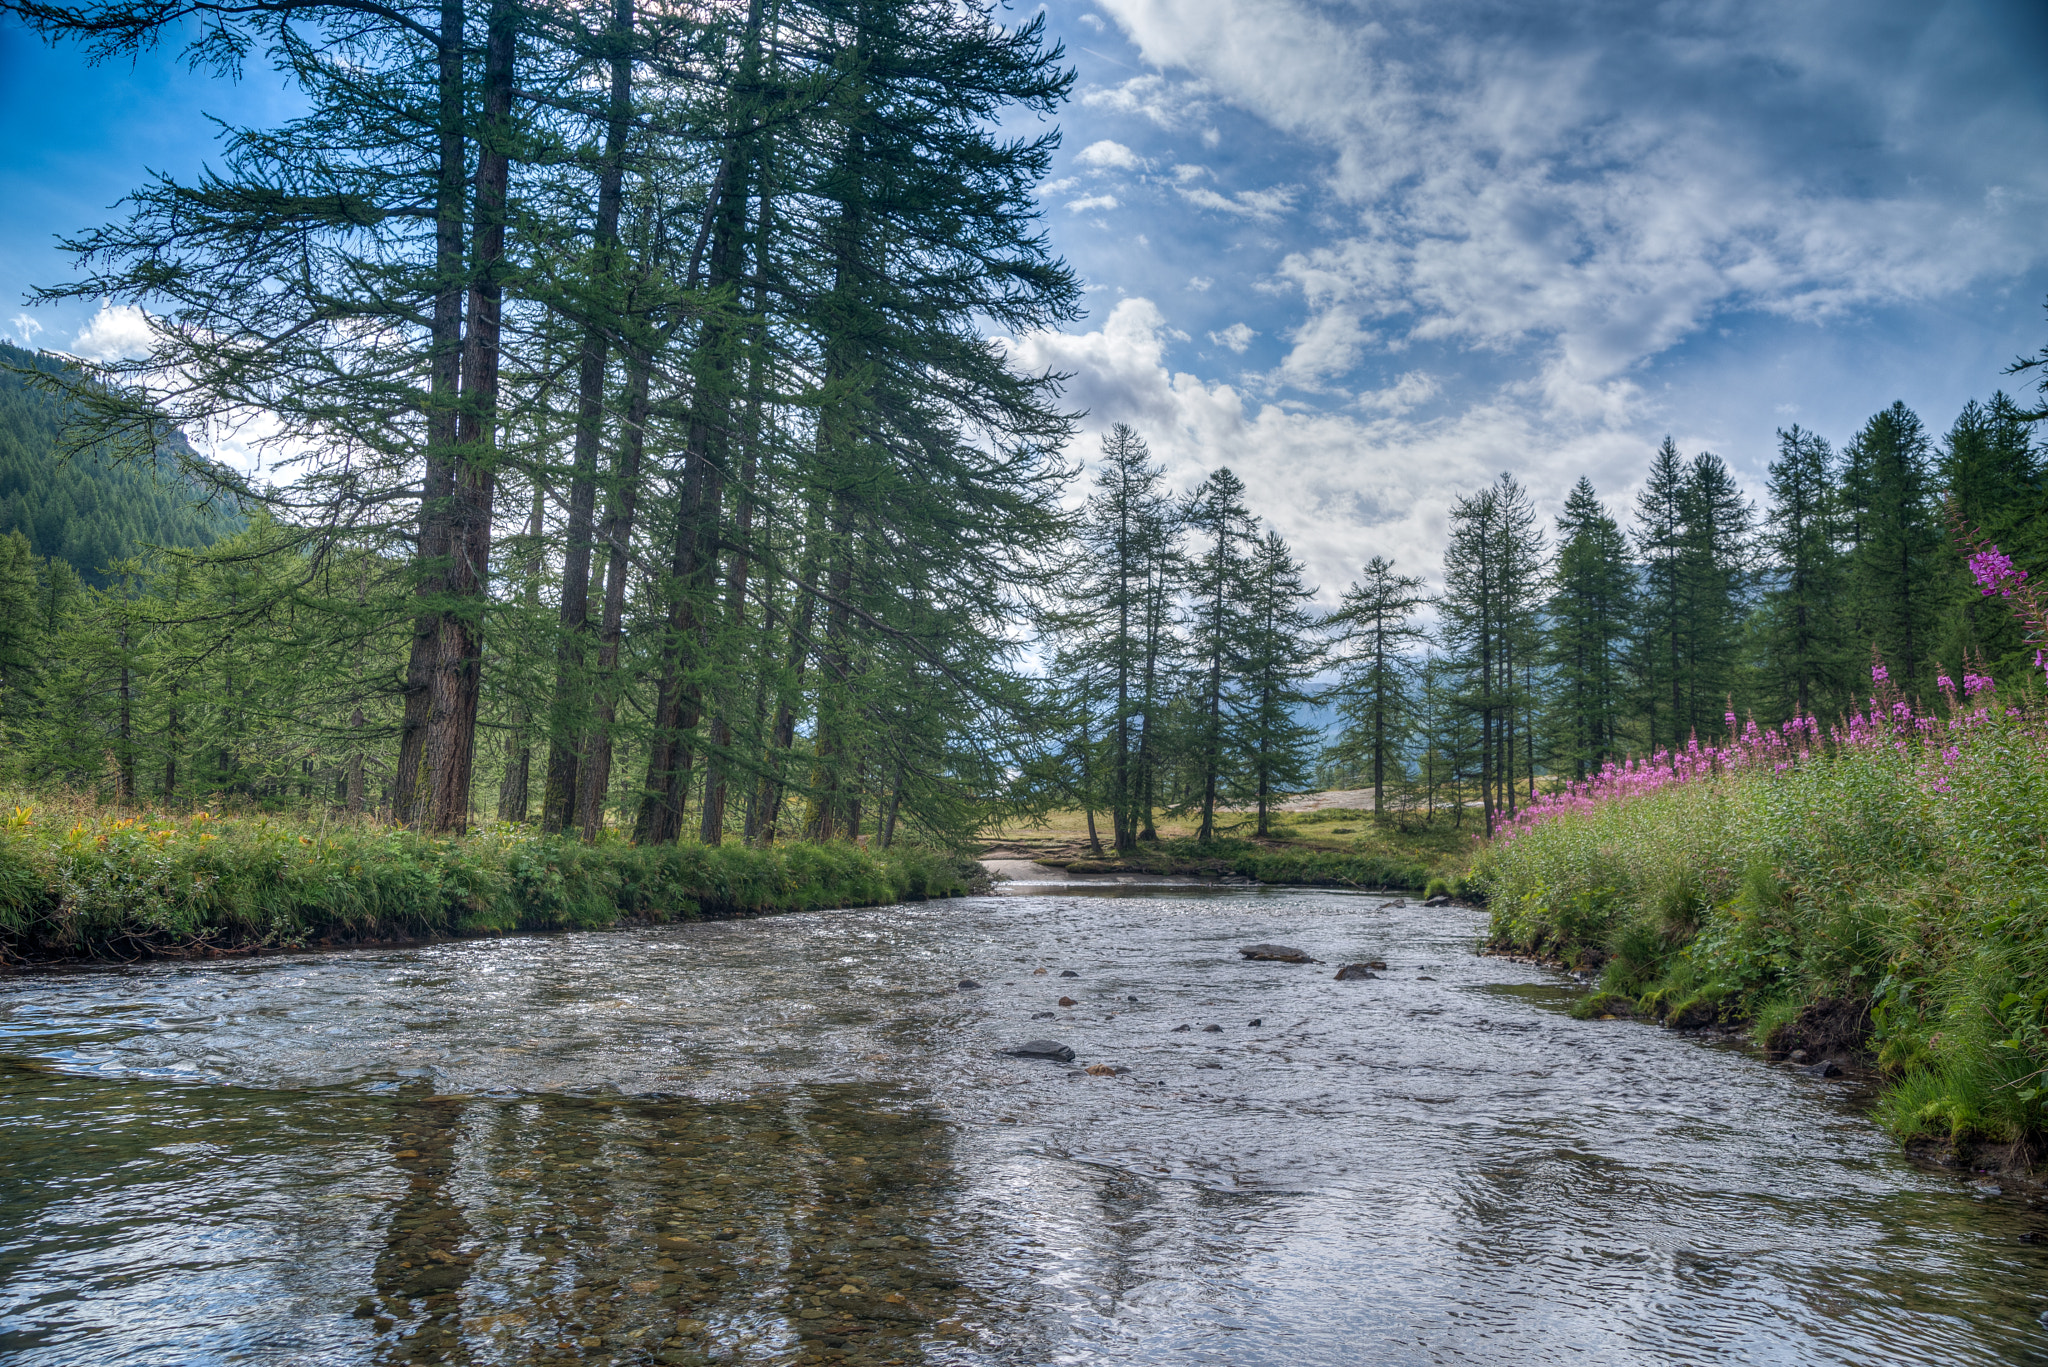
[[795, 1139]]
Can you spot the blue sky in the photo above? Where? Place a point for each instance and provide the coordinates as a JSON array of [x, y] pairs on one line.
[[1370, 254]]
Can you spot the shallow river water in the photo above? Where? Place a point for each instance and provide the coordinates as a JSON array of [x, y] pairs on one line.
[[796, 1139]]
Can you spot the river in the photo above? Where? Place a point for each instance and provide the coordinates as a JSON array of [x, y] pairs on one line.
[[796, 1139]]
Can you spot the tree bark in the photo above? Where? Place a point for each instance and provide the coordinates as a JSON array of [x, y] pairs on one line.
[[456, 684], [430, 555], [566, 738]]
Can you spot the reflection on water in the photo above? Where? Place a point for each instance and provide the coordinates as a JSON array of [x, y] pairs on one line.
[[796, 1139]]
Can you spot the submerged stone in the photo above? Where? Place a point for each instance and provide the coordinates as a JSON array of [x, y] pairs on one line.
[[1042, 1048], [1353, 972]]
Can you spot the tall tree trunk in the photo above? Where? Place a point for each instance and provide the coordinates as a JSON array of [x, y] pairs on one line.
[[678, 702], [594, 773], [566, 737], [457, 680], [430, 555], [515, 788]]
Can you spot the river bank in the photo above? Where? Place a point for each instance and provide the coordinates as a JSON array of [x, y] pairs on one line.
[[79, 882], [1330, 844], [1875, 894]]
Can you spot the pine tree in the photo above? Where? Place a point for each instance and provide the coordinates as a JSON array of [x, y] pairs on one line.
[[1226, 531], [1376, 626], [1809, 665], [1713, 577], [1278, 650], [1590, 616], [1995, 482], [1659, 649], [1111, 614], [1894, 541]]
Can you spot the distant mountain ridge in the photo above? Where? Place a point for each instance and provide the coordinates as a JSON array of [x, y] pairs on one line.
[[86, 512]]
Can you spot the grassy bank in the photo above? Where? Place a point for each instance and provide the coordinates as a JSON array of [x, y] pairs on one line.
[[1332, 847], [80, 881], [1883, 886]]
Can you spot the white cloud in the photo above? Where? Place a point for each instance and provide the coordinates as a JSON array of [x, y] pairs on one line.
[[1237, 337], [1106, 155], [1340, 486], [1262, 205], [1169, 104], [26, 328], [1403, 395], [1325, 347], [1200, 284], [1093, 21], [1088, 202], [116, 332]]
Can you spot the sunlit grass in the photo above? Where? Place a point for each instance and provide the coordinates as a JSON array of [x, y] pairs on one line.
[[77, 878]]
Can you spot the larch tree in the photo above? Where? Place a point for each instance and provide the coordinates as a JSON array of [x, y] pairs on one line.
[[1590, 615], [1375, 631], [1279, 648]]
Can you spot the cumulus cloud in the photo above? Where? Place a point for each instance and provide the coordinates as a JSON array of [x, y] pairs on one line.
[[26, 328], [1237, 337], [1088, 202], [1340, 486], [117, 331], [1200, 284], [1109, 156]]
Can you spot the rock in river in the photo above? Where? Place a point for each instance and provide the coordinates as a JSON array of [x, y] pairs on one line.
[[1068, 1001], [1350, 972], [1825, 1068], [1281, 954], [1438, 901], [1043, 1048], [1068, 973], [968, 984]]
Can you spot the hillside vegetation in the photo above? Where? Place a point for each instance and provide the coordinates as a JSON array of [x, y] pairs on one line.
[[85, 512]]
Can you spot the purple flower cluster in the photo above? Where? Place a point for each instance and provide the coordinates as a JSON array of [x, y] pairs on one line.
[[1995, 572], [1890, 723]]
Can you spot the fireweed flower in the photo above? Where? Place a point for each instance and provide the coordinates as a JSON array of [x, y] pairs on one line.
[[1995, 572]]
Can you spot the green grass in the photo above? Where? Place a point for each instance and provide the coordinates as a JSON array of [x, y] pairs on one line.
[[80, 881], [1902, 888]]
